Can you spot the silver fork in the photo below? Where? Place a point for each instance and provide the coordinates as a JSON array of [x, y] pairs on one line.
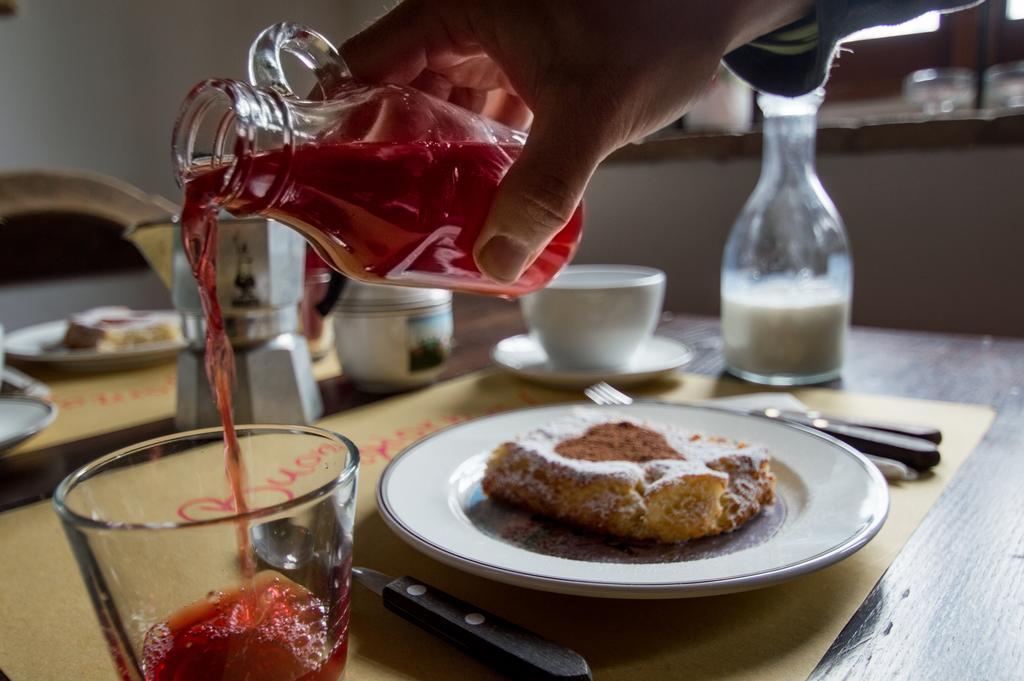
[[605, 395]]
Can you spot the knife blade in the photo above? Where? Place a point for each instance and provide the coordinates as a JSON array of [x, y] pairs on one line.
[[892, 469], [918, 453], [930, 433], [504, 646]]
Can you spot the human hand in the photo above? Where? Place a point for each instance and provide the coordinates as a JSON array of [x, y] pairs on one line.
[[594, 75]]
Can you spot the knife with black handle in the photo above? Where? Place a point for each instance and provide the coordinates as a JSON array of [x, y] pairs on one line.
[[918, 453], [506, 647]]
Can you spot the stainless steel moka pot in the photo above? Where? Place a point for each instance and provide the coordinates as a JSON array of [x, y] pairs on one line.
[[259, 286]]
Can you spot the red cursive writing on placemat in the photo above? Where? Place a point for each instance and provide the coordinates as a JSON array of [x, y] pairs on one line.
[[110, 398], [280, 484], [383, 448], [375, 449]]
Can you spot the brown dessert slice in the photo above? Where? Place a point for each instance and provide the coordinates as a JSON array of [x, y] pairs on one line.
[[640, 480], [108, 329]]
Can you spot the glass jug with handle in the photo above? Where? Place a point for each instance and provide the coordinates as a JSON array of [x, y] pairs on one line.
[[390, 184]]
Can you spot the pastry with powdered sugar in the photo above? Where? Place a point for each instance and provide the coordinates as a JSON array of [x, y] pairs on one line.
[[633, 478], [114, 328]]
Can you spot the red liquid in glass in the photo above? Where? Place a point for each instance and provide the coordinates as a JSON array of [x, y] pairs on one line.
[[403, 213], [277, 632]]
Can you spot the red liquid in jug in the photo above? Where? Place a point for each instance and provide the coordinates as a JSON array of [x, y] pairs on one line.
[[402, 213], [279, 632]]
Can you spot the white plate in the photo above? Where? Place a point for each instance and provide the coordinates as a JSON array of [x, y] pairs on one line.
[[524, 357], [831, 502], [40, 344], [22, 417]]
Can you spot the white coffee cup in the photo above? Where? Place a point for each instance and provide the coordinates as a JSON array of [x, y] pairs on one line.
[[595, 317]]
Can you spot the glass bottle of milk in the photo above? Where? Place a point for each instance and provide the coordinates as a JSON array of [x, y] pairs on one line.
[[786, 272]]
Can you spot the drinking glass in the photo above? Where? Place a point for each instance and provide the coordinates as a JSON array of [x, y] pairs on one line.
[[187, 587], [1004, 86], [940, 91]]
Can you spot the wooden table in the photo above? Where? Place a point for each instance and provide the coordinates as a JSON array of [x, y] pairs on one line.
[[951, 606]]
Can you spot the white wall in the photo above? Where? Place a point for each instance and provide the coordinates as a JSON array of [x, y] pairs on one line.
[[96, 83], [32, 303]]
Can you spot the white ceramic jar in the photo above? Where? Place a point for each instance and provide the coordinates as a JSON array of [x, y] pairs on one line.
[[393, 338]]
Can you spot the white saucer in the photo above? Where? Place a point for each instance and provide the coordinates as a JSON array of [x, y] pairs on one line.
[[40, 344], [21, 417], [523, 356]]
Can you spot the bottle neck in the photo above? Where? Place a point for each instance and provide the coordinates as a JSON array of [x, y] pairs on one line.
[[222, 127], [788, 147]]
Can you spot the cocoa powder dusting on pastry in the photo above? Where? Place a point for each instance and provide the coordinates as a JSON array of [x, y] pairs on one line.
[[618, 442]]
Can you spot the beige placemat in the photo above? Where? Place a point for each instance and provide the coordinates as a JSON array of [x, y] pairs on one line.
[[94, 403], [47, 628]]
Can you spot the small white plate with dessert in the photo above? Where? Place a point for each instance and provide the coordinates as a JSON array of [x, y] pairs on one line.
[[650, 500], [101, 339], [657, 357]]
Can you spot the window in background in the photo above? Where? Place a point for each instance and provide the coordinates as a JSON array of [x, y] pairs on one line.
[[875, 62], [926, 23], [867, 79]]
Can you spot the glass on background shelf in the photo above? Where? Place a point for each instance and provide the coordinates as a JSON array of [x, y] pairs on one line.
[[1004, 86], [786, 272], [941, 91]]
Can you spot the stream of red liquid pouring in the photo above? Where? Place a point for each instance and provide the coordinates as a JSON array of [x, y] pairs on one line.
[[199, 235], [391, 212], [271, 629]]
